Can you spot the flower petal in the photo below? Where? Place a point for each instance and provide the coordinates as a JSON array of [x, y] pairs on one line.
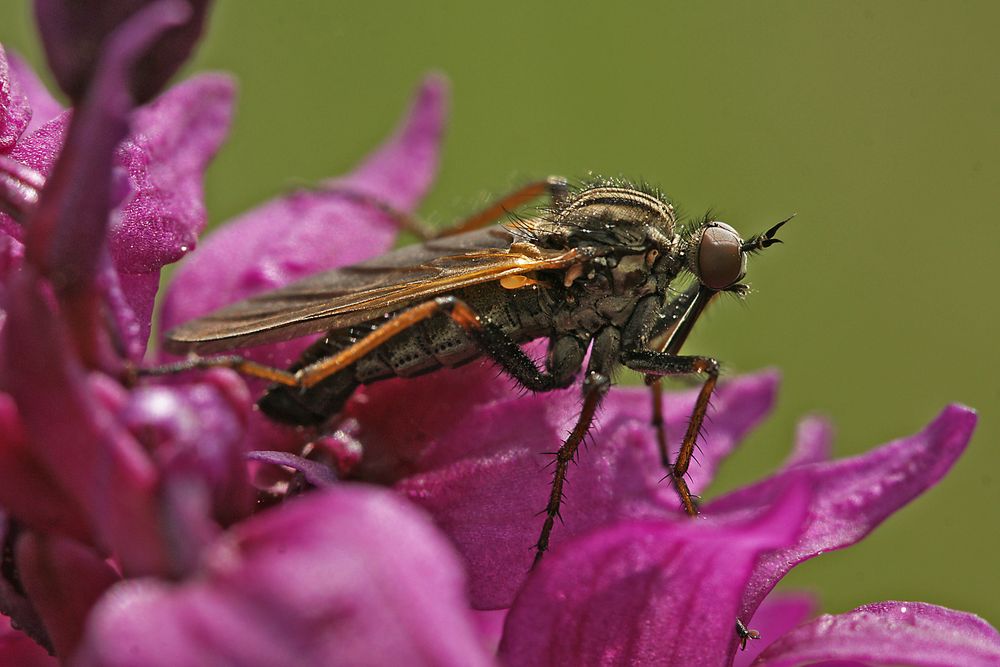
[[75, 34], [645, 592], [19, 188], [311, 230], [84, 450], [66, 237], [195, 433], [813, 442], [403, 169], [852, 496], [15, 113], [40, 149], [44, 107], [890, 633], [776, 616], [27, 491], [738, 406], [16, 648], [484, 475], [164, 158], [490, 624], [342, 576], [314, 472], [14, 602], [63, 579]]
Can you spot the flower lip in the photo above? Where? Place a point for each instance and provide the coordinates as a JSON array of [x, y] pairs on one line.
[[720, 261]]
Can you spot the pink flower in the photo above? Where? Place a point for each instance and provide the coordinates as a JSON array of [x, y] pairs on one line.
[[130, 531]]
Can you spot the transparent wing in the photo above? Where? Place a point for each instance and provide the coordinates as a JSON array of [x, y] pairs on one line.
[[351, 295]]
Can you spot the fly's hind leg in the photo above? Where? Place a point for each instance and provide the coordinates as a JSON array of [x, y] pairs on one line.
[[567, 353], [241, 365], [555, 187], [318, 371]]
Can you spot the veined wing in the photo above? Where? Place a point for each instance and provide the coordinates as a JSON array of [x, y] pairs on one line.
[[351, 295]]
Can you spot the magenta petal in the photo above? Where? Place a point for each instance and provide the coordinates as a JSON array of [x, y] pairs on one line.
[[314, 472], [890, 633], [132, 326], [311, 230], [195, 433], [19, 188], [776, 616], [343, 576], [75, 33], [16, 648], [85, 450], [852, 496], [490, 624], [15, 112], [14, 602], [44, 107], [172, 141], [27, 491], [63, 579], [645, 592], [403, 169], [483, 473], [67, 235], [40, 149], [737, 407], [164, 158], [813, 442]]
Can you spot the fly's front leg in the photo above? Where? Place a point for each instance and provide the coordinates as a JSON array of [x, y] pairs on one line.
[[659, 424], [661, 363], [553, 186], [666, 332]]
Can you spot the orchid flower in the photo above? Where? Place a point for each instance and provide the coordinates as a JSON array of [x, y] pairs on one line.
[[129, 513]]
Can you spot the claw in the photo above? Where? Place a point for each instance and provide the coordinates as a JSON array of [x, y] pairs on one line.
[[745, 634]]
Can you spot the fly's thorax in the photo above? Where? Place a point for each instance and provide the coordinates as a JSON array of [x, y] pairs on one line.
[[603, 291], [612, 219]]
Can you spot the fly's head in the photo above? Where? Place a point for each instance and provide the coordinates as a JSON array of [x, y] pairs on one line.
[[717, 255]]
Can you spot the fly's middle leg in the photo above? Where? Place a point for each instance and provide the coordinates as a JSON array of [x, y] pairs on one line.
[[595, 387], [596, 384]]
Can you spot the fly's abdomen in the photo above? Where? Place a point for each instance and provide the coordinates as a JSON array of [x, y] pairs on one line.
[[427, 346], [313, 406]]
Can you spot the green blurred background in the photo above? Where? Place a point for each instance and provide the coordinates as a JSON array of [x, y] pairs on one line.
[[878, 123]]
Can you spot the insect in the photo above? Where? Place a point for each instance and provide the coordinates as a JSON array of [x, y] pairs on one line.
[[593, 271]]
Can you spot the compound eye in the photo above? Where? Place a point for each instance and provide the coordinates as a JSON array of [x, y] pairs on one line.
[[721, 262]]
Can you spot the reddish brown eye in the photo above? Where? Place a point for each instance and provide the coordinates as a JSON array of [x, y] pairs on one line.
[[721, 262]]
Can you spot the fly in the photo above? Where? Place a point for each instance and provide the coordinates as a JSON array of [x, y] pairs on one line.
[[592, 271]]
